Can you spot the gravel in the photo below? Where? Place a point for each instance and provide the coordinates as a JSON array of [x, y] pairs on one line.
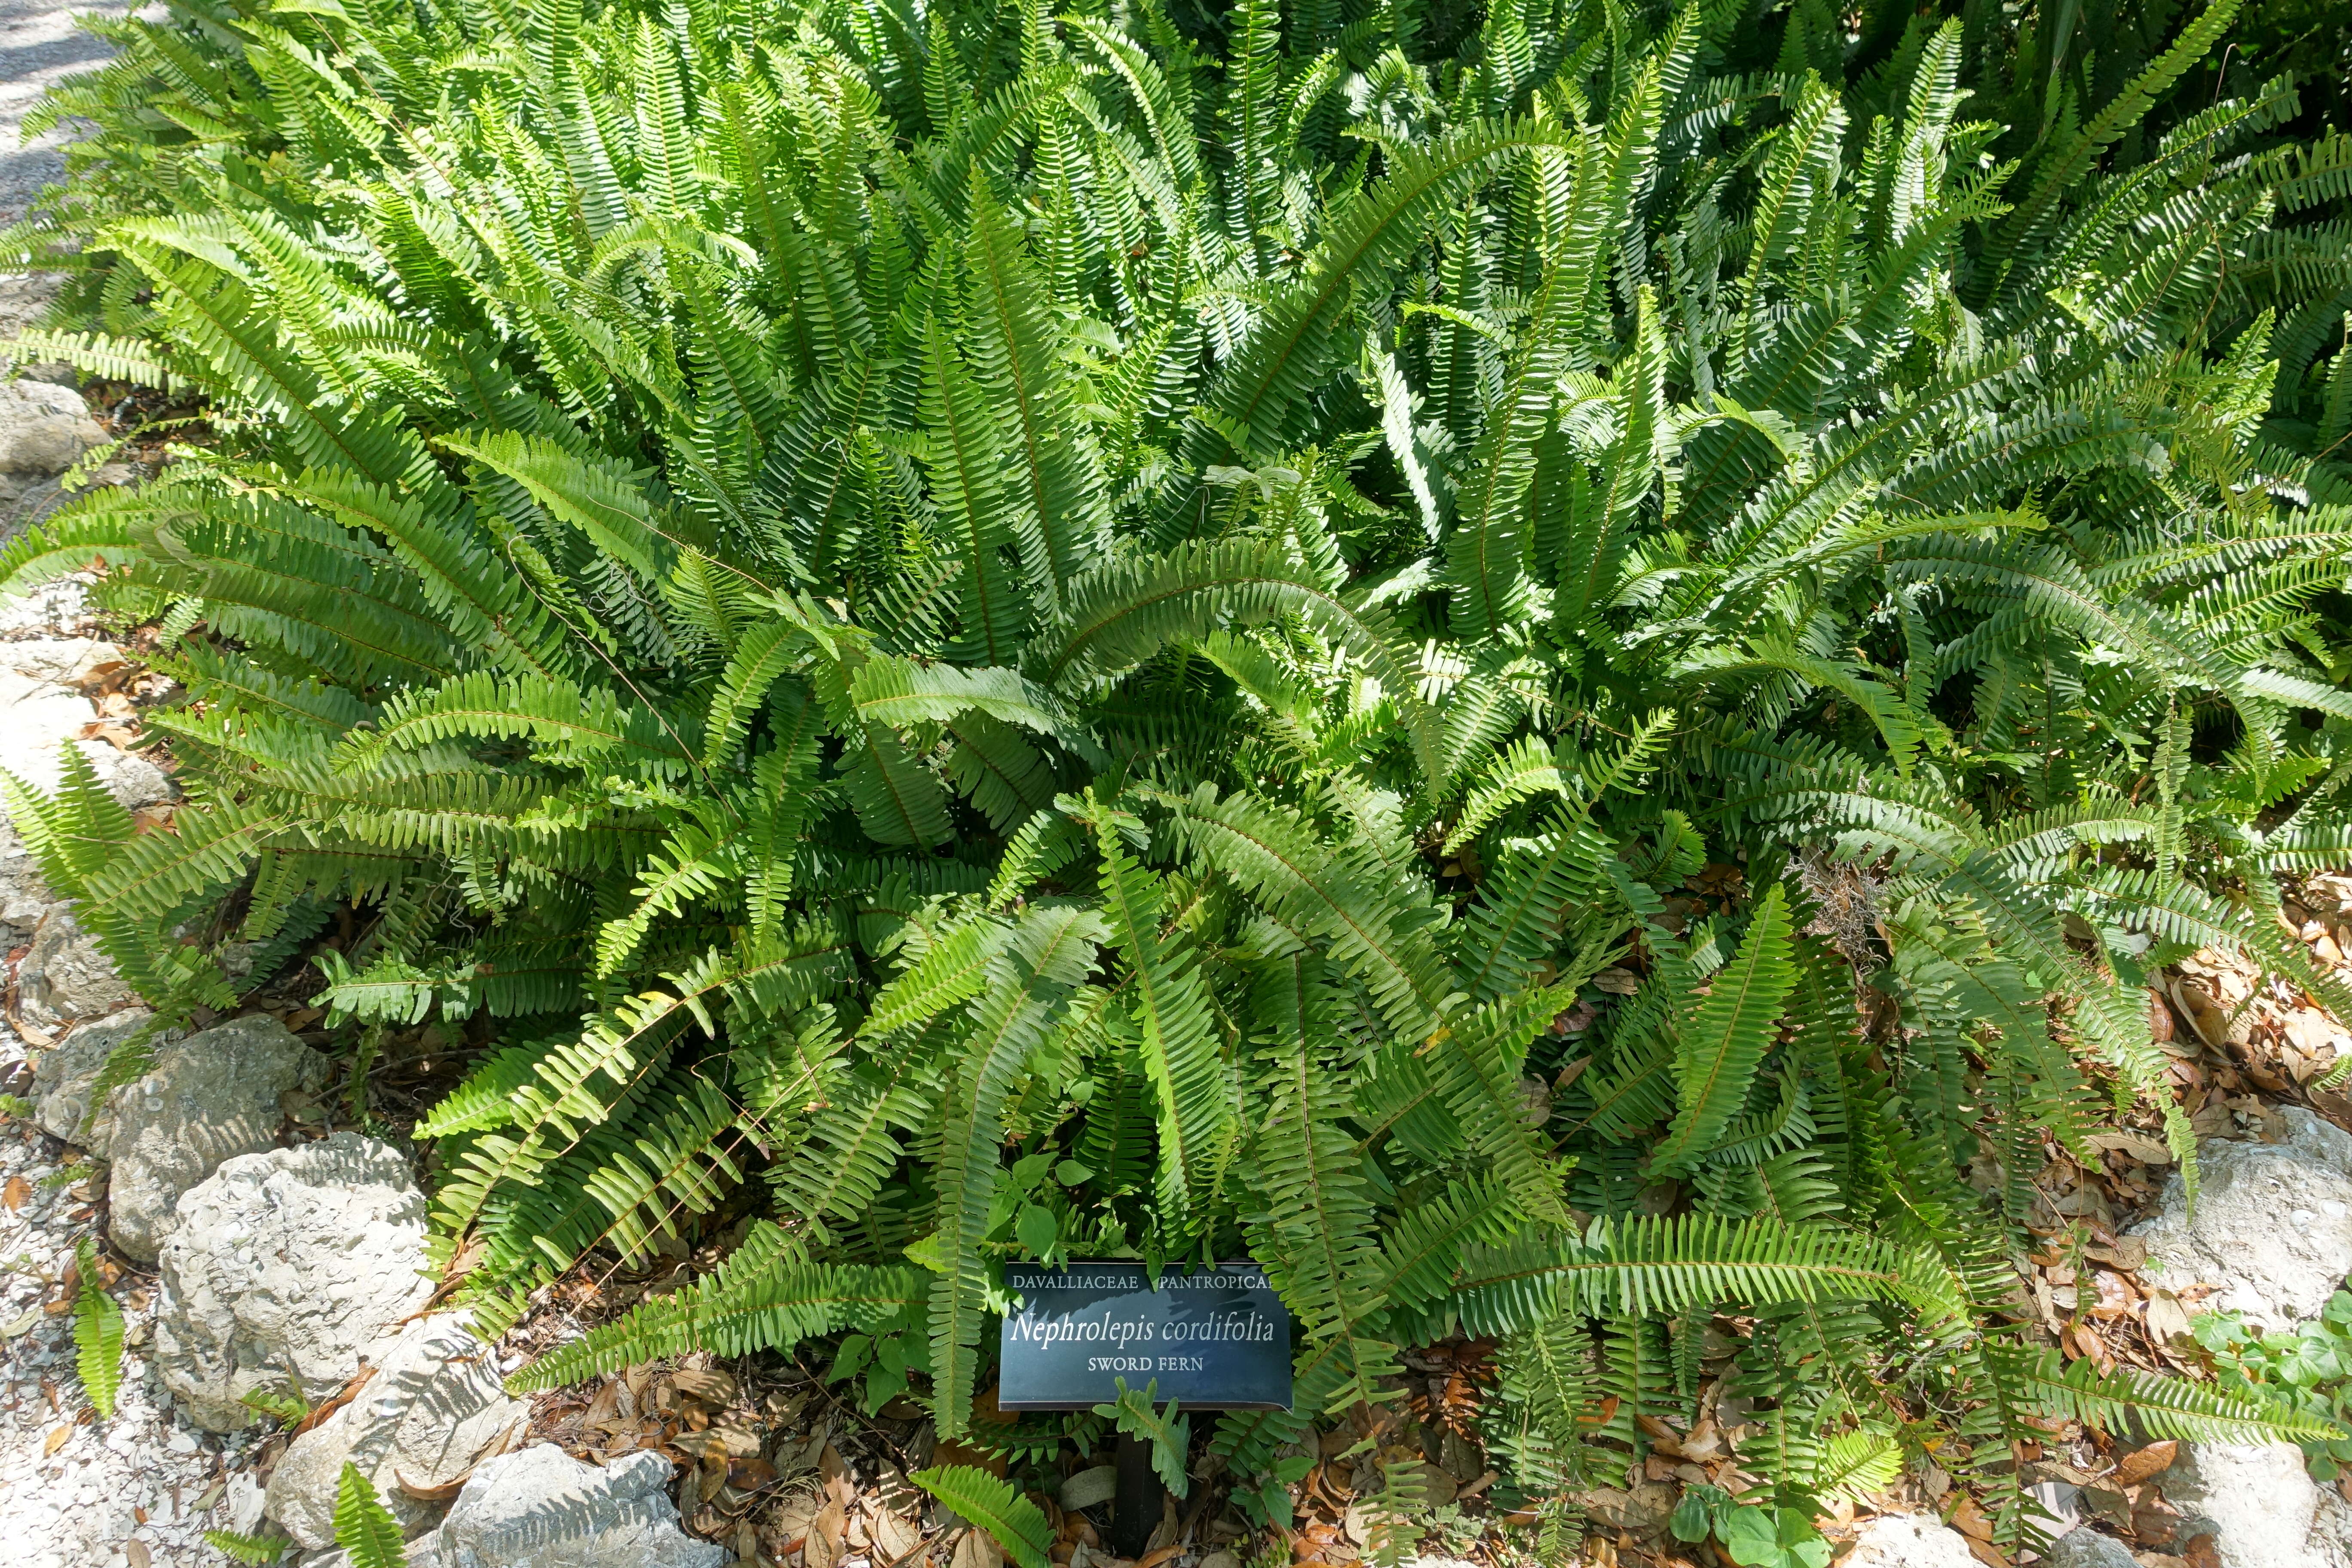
[[143, 1485], [138, 1477]]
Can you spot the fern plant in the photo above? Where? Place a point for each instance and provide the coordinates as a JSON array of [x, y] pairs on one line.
[[251, 1549], [1013, 1521], [97, 1330], [1002, 635], [364, 1528]]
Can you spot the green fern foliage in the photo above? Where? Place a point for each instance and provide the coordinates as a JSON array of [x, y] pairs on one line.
[[364, 1528], [97, 1329], [252, 1549], [1014, 1522], [1557, 671]]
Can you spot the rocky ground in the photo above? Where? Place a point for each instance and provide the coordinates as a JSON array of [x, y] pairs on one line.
[[76, 1492]]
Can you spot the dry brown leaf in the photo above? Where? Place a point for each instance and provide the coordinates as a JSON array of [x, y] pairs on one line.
[[444, 1493], [334, 1401], [15, 1193], [2138, 1146], [1970, 1521], [753, 1474], [136, 1553], [2139, 1466], [603, 1412], [822, 1549], [978, 1549], [831, 1467], [712, 1387], [893, 1490], [894, 1537], [119, 736], [793, 1516], [56, 1439]]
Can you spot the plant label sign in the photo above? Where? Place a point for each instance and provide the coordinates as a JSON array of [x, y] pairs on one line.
[[1212, 1338]]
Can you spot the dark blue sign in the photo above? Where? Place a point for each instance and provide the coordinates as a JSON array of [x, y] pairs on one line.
[[1215, 1338]]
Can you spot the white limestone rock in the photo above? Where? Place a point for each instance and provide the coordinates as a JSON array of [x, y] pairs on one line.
[[432, 1406], [36, 717], [61, 661], [539, 1508], [2273, 1230], [63, 979], [1908, 1541], [44, 428], [2082, 1547], [64, 1077], [286, 1268], [56, 608], [39, 717], [206, 1099], [2259, 1497]]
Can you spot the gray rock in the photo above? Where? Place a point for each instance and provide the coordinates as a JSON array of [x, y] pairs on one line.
[[61, 661], [24, 896], [285, 1269], [2273, 1230], [434, 1406], [1908, 1541], [64, 979], [64, 1077], [56, 372], [44, 427], [2085, 1548], [205, 1100], [2260, 1497], [128, 776], [541, 1508]]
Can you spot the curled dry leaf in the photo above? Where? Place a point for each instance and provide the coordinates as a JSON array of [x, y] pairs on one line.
[[447, 1492], [2139, 1466]]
